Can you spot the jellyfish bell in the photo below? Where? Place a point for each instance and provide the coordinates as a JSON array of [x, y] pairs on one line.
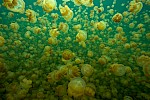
[[100, 25], [49, 5], [2, 41], [76, 87], [118, 69], [15, 5], [146, 69], [87, 70], [117, 17]]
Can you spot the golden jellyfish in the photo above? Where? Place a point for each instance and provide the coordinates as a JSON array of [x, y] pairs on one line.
[[61, 90], [52, 40], [67, 54], [117, 17], [77, 2], [49, 5], [81, 37], [103, 60], [146, 69], [90, 54], [142, 60], [135, 6], [90, 90], [88, 3], [100, 25], [87, 70], [66, 12], [54, 32], [14, 26], [73, 71], [118, 69], [31, 14], [148, 36], [77, 27], [63, 27], [76, 87], [15, 5], [2, 41], [36, 30]]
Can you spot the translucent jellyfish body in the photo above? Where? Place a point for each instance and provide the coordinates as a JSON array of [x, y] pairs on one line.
[[14, 5], [142, 60], [31, 15], [146, 69], [63, 27], [81, 37], [53, 32], [2, 41], [118, 69], [117, 17], [100, 25], [49, 5], [90, 89], [135, 7], [88, 3], [66, 12], [87, 70], [14, 26], [67, 54], [76, 87]]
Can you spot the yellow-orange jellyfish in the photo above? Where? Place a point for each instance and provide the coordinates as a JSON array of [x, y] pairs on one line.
[[63, 27], [146, 69], [49, 5], [15, 5], [76, 87], [31, 14], [81, 37], [100, 25], [66, 12], [135, 7], [67, 54], [54, 32], [2, 41], [87, 70], [117, 17], [118, 69]]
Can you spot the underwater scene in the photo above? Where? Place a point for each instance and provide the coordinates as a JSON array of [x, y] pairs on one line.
[[74, 49]]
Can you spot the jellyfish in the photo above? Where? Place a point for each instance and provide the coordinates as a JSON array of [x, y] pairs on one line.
[[76, 87], [100, 25], [31, 14], [15, 5], [118, 69], [87, 70], [2, 41], [117, 17], [81, 37], [66, 12], [49, 5]]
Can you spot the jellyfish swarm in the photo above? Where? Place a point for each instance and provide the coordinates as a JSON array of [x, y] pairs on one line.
[[49, 5], [76, 87], [15, 5]]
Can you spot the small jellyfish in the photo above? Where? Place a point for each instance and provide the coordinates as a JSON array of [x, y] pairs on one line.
[[2, 41], [135, 7], [142, 60], [31, 14], [100, 25], [67, 54], [87, 70], [15, 5], [146, 69], [118, 69], [66, 12], [49, 5], [76, 87], [117, 17]]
